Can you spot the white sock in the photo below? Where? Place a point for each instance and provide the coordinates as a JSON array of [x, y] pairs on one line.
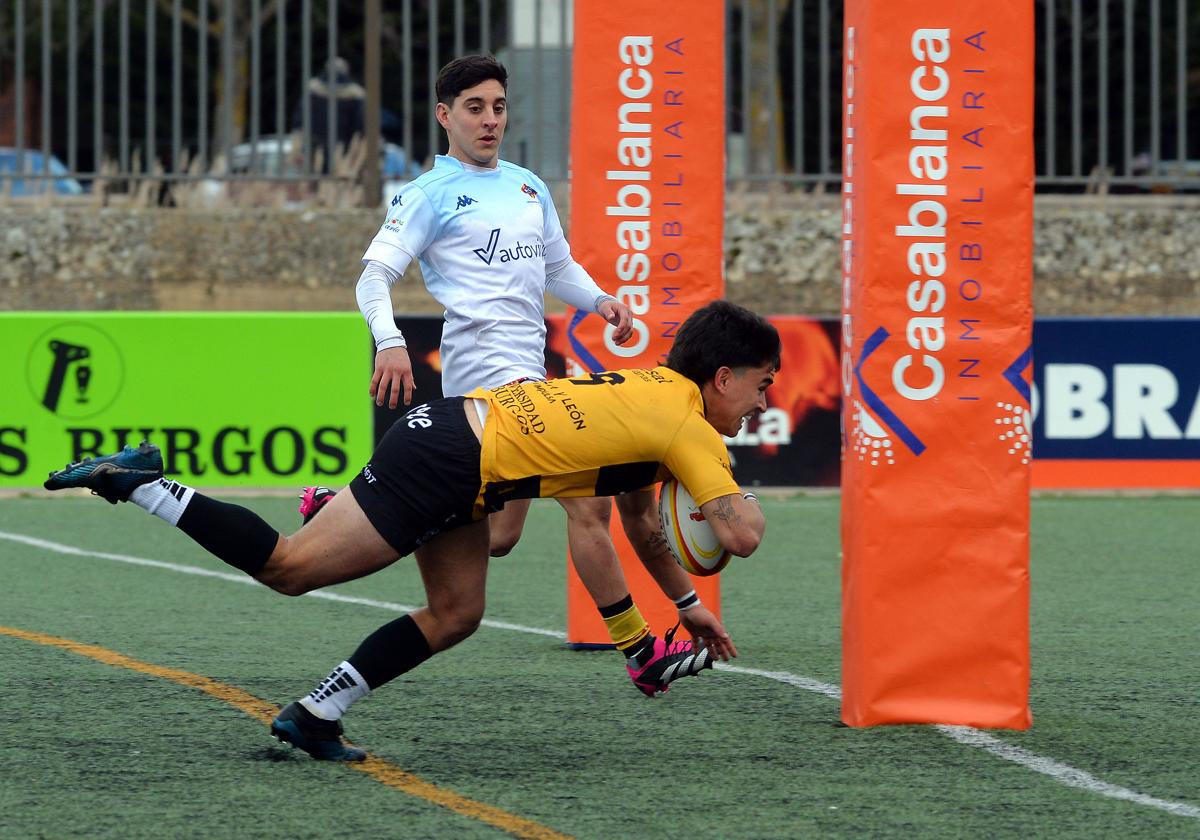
[[164, 498], [336, 693]]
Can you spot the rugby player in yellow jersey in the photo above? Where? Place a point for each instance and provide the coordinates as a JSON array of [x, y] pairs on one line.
[[495, 333], [445, 465]]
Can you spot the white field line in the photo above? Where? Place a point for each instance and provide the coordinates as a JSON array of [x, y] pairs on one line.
[[242, 578], [1062, 773]]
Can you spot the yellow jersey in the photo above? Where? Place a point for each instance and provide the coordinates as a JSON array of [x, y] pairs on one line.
[[602, 435]]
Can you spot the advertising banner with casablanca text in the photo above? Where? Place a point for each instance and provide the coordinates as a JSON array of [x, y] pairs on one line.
[[647, 205], [936, 362]]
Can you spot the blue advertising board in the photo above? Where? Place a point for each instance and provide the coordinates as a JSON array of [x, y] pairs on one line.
[[1116, 388]]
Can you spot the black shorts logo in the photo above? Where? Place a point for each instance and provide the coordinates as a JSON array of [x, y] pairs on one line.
[[419, 417]]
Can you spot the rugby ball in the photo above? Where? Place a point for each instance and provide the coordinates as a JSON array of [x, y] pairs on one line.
[[688, 533]]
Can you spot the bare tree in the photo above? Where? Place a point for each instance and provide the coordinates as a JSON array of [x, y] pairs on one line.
[[241, 31], [764, 111]]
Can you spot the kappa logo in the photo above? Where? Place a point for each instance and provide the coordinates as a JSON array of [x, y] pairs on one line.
[[399, 199], [465, 201]]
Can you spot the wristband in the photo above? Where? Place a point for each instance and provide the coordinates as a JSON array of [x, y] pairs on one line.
[[750, 497], [686, 602], [391, 341], [600, 300]]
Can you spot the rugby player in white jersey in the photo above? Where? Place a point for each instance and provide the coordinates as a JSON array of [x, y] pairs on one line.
[[490, 245]]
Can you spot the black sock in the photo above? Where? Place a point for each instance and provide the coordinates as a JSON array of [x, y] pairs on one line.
[[643, 651], [232, 533], [644, 647], [393, 649], [617, 608]]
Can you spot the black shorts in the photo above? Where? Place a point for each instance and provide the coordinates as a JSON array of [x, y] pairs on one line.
[[424, 476]]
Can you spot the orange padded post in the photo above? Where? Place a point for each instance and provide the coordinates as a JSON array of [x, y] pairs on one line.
[[647, 208], [937, 328]]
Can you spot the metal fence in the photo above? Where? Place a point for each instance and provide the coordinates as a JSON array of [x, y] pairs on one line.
[[112, 95]]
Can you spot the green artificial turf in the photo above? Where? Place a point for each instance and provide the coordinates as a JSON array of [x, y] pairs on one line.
[[515, 720]]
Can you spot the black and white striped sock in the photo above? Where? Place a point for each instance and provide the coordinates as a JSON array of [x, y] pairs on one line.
[[336, 693], [165, 498]]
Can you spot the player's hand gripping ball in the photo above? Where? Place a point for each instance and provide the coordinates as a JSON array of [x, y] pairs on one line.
[[688, 533]]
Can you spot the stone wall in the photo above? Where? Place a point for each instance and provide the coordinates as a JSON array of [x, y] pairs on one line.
[[1112, 255]]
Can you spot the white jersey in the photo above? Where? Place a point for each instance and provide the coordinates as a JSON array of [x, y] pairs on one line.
[[483, 238]]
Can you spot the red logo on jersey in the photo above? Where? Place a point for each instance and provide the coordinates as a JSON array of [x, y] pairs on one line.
[[529, 191], [696, 516]]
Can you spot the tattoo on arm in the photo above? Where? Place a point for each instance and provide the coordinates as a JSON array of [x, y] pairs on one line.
[[725, 511]]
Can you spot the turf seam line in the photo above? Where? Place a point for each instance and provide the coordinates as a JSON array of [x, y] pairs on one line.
[[1064, 774], [261, 710]]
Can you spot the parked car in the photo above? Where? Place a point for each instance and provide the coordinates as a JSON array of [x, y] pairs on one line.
[[33, 163], [1166, 175], [273, 155]]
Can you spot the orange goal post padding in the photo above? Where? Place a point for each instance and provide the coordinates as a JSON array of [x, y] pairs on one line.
[[936, 362], [647, 210]]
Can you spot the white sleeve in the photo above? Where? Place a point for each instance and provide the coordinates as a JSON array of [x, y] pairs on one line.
[[374, 294], [410, 226], [569, 282]]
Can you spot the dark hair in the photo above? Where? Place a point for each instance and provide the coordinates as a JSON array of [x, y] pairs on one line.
[[466, 72], [722, 334]]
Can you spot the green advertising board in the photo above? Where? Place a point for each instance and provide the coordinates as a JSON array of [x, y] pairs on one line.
[[233, 399]]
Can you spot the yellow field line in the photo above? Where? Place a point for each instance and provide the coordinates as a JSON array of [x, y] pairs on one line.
[[261, 710]]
